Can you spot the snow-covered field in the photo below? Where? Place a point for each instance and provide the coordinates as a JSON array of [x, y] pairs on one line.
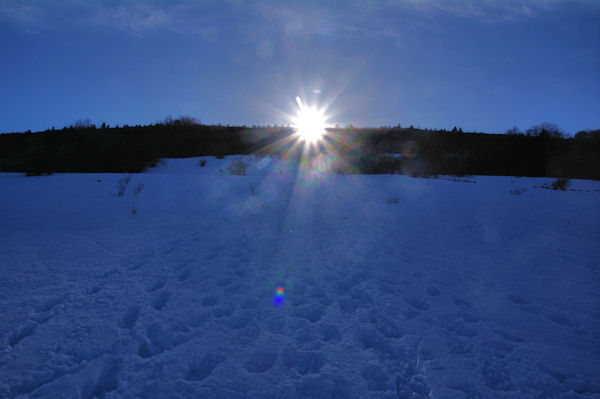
[[394, 287]]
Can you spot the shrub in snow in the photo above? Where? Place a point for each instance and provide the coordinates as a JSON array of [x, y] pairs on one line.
[[237, 167], [132, 209], [560, 184], [122, 185], [202, 163], [37, 173], [372, 164], [131, 203], [386, 164], [137, 189]]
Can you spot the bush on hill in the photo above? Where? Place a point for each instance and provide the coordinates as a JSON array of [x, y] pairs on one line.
[[542, 152]]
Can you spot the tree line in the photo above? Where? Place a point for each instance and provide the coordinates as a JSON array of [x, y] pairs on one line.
[[541, 151]]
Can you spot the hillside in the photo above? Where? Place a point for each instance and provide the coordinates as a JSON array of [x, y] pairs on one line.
[[364, 151], [393, 286]]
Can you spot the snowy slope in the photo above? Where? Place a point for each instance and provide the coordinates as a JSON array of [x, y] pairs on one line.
[[394, 287]]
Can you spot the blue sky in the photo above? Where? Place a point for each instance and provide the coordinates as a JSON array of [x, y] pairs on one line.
[[483, 65]]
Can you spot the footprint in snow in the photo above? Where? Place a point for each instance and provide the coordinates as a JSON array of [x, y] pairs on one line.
[[222, 311], [367, 336], [518, 300], [417, 303], [459, 328], [24, 332], [362, 297], [201, 367], [260, 361], [160, 300], [496, 375], [107, 380], [180, 266], [198, 318], [329, 332], [306, 337], [470, 317], [95, 289], [135, 266], [49, 304], [459, 346], [157, 285], [239, 321], [210, 300], [184, 275], [158, 340], [106, 274], [326, 300], [561, 318], [130, 316], [461, 302], [411, 384], [214, 252], [242, 257], [248, 335], [304, 362], [312, 313], [387, 288], [343, 286], [172, 247], [348, 305], [241, 272], [386, 326], [497, 348], [224, 282], [324, 386], [377, 377]]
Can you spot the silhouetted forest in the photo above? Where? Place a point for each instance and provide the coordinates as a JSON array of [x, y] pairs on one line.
[[542, 151]]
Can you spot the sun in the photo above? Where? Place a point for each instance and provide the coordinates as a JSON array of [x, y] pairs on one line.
[[310, 123]]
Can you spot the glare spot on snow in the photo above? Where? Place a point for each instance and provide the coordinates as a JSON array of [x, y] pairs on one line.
[[278, 297]]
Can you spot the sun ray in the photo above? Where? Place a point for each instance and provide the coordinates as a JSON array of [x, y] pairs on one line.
[[309, 123]]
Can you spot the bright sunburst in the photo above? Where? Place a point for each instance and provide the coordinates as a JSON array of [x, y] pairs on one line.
[[309, 123]]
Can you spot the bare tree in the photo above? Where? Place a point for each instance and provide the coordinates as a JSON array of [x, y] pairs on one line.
[[513, 131], [546, 129], [83, 123]]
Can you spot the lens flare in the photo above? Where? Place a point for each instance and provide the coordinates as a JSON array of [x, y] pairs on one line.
[[310, 123], [278, 297]]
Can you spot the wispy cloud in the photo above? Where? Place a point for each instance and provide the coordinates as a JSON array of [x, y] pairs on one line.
[[391, 19], [492, 11], [305, 19], [133, 17], [290, 18], [139, 18], [29, 17]]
